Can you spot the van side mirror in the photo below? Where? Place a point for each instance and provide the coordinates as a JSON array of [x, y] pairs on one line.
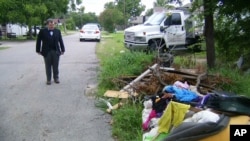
[[163, 28]]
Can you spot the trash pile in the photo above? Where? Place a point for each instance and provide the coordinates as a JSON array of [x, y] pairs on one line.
[[184, 106]]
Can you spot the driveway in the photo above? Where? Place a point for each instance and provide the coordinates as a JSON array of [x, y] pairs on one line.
[[30, 110]]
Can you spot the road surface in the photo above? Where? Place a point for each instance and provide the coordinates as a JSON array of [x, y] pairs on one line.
[[30, 110]]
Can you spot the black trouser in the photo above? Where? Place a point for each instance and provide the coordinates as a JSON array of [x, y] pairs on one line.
[[52, 63]]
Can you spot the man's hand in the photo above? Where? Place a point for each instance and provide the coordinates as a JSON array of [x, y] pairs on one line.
[[39, 53], [62, 53]]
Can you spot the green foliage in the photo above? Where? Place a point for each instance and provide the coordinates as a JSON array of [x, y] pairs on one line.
[[89, 17], [149, 12], [74, 3], [70, 24], [3, 48], [239, 82], [128, 8], [109, 23], [233, 20], [116, 61], [122, 64], [80, 18], [127, 119], [160, 3], [127, 122], [31, 12]]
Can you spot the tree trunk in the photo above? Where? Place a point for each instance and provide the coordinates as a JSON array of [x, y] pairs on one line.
[[209, 33]]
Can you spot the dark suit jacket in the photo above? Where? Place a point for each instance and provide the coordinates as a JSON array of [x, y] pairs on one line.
[[43, 39]]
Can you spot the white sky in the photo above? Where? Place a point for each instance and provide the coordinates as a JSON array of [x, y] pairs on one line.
[[97, 6]]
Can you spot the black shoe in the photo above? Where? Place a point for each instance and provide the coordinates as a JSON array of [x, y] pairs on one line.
[[48, 82], [57, 81]]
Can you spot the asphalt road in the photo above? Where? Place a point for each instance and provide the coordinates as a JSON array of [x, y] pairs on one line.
[[30, 110]]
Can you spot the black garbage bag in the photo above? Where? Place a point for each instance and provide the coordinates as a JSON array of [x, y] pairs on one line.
[[229, 103], [192, 131]]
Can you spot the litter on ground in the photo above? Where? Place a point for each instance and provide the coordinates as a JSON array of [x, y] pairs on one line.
[[182, 105]]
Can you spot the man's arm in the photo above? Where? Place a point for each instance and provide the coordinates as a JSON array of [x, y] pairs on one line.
[[38, 42], [61, 43]]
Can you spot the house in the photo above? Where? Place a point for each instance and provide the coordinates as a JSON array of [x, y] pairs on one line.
[[13, 30]]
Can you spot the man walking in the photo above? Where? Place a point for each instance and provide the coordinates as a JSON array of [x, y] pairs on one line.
[[50, 45]]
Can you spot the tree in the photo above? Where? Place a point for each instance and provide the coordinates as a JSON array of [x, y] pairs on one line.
[[160, 3], [109, 18], [233, 20], [109, 5], [209, 31], [149, 12], [11, 11], [32, 12], [129, 8], [73, 4]]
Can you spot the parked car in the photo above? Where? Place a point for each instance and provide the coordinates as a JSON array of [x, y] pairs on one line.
[[37, 30], [90, 32], [99, 26]]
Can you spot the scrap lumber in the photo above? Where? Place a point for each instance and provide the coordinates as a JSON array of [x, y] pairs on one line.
[[128, 89], [129, 86], [170, 70], [116, 94], [114, 107], [110, 106]]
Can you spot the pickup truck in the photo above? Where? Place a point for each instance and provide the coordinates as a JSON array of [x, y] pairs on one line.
[[172, 29]]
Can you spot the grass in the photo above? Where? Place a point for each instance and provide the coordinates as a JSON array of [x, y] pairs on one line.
[[239, 81], [2, 48], [18, 38], [116, 61]]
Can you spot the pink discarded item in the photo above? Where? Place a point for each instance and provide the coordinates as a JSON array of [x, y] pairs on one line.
[[145, 125], [181, 85]]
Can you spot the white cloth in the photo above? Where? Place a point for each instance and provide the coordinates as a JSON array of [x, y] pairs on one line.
[[203, 116], [147, 109]]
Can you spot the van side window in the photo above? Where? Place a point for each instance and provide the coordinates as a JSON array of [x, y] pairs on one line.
[[167, 22], [176, 19]]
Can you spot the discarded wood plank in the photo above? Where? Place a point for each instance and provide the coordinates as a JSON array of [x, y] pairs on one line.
[[127, 87], [116, 94], [114, 107], [178, 72]]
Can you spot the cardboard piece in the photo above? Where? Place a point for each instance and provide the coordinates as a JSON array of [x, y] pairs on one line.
[[116, 94]]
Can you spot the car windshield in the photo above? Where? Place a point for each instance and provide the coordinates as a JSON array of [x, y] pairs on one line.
[[93, 27], [99, 26], [156, 18]]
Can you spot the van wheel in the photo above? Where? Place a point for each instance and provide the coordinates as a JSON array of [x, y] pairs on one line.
[[152, 47], [155, 45]]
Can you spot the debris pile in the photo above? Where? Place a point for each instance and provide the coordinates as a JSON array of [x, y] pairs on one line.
[[183, 106]]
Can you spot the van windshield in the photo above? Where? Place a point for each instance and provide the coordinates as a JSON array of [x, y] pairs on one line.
[[156, 18]]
